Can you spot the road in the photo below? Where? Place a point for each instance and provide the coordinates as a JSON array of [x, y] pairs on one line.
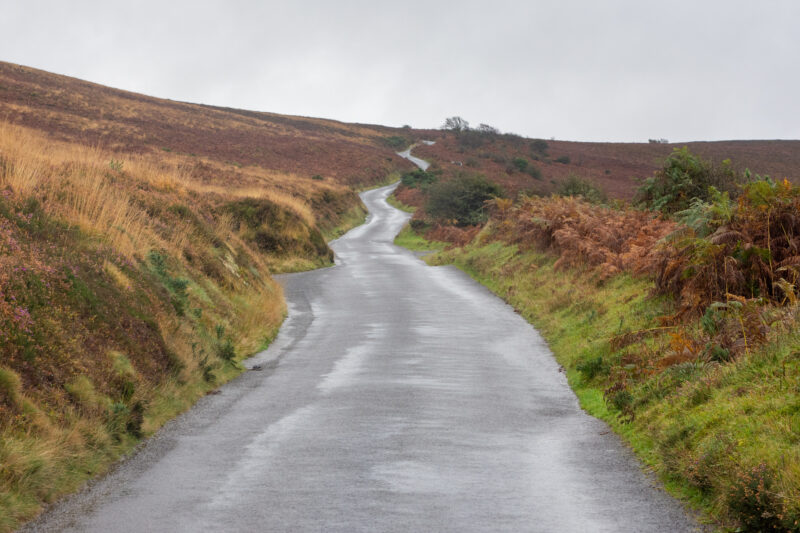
[[421, 163], [397, 397]]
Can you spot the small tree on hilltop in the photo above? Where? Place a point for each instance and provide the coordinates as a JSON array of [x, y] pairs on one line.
[[488, 130], [456, 124]]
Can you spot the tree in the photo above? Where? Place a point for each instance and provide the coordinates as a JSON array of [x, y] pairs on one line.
[[455, 124], [485, 128], [461, 200]]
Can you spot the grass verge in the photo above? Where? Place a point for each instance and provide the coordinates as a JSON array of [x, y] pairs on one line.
[[408, 238], [397, 204], [723, 437]]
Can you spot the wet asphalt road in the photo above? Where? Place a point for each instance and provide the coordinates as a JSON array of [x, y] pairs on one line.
[[397, 397]]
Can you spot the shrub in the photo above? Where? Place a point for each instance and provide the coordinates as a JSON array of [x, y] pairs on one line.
[[753, 501], [584, 234], [576, 186], [683, 177], [456, 124], [396, 142], [461, 200], [472, 139], [418, 178], [743, 251], [564, 160], [539, 147], [534, 172], [520, 163], [418, 225]]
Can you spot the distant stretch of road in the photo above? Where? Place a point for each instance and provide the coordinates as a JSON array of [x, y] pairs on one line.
[[397, 397]]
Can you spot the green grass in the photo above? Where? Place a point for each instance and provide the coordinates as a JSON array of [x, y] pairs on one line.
[[386, 180], [407, 238], [704, 429], [353, 217], [397, 204]]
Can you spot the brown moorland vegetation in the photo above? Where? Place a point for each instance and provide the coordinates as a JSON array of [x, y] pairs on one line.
[[74, 110], [137, 241], [678, 327], [616, 168]]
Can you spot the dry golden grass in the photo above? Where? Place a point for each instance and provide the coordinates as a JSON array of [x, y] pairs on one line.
[[127, 208], [146, 229], [125, 122], [94, 188]]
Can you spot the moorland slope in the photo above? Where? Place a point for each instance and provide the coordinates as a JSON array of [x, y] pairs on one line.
[[137, 241]]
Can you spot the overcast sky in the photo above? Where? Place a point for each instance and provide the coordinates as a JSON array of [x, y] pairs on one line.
[[614, 70]]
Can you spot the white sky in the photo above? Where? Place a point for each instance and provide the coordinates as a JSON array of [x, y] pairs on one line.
[[614, 70]]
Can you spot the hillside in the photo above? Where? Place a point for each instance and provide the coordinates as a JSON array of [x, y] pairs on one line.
[[615, 167], [676, 320], [138, 238], [137, 241], [73, 110]]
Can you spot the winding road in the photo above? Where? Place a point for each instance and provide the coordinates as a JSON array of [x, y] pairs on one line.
[[397, 397]]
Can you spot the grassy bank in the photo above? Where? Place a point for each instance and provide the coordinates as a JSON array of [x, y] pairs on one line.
[[397, 204], [722, 435], [129, 288]]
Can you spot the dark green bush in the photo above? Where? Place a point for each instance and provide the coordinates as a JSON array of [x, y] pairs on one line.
[[472, 139], [684, 177], [396, 142], [534, 172], [539, 147], [418, 225], [564, 160], [576, 186], [520, 163], [461, 200], [418, 178]]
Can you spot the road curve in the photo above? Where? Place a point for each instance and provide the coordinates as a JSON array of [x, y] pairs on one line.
[[421, 163], [397, 397]]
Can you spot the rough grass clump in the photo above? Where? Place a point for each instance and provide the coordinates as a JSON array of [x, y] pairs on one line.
[[577, 186], [277, 231]]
